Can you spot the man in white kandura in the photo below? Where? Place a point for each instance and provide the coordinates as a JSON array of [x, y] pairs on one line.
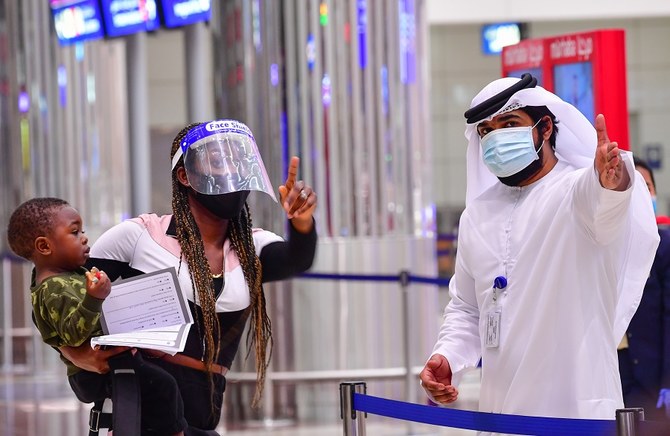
[[554, 248]]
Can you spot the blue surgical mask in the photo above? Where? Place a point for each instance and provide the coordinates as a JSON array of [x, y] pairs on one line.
[[507, 151], [653, 203]]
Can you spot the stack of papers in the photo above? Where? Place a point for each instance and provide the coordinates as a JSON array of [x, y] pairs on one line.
[[146, 311]]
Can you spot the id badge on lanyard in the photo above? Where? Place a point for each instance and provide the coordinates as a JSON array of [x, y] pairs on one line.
[[493, 316]]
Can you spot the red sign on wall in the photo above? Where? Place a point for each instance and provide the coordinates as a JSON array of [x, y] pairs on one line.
[[585, 69]]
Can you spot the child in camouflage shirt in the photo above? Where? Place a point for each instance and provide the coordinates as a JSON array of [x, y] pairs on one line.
[[67, 303]]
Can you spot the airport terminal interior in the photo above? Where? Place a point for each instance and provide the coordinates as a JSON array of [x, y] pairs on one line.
[[370, 94]]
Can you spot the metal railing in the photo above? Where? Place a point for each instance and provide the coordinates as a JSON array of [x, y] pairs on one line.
[[407, 371]]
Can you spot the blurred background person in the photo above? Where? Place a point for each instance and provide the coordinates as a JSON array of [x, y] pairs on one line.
[[644, 352]]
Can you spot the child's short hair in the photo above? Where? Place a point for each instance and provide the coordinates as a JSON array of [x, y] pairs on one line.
[[32, 219]]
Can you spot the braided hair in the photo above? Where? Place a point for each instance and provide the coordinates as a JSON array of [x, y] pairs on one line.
[[259, 335]]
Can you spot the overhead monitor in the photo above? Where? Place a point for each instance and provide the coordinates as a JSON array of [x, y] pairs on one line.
[[535, 72], [573, 82], [178, 13], [76, 20], [125, 17], [499, 35], [528, 56], [586, 69]]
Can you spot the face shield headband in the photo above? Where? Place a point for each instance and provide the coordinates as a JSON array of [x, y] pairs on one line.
[[221, 157]]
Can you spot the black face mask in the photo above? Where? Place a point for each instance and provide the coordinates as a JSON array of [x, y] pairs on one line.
[[226, 206], [533, 168]]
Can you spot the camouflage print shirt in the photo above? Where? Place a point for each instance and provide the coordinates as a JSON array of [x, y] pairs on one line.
[[64, 313]]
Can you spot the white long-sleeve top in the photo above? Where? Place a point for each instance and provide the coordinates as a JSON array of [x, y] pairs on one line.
[[563, 243]]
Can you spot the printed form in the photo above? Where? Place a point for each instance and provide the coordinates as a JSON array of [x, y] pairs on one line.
[[146, 311]]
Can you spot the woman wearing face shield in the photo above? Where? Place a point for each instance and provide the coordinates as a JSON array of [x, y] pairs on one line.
[[220, 258]]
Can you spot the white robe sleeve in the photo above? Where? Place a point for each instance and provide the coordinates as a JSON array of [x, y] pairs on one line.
[[626, 217], [602, 211], [458, 339]]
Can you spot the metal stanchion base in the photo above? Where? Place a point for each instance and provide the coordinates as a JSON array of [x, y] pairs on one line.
[[269, 423]]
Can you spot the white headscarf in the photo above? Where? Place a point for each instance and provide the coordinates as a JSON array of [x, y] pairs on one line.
[[576, 143]]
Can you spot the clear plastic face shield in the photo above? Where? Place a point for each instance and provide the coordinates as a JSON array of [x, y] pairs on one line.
[[221, 157]]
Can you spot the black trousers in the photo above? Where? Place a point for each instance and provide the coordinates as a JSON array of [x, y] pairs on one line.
[[202, 406], [635, 394]]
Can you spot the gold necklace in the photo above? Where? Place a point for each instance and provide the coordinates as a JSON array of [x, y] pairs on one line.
[[223, 266]]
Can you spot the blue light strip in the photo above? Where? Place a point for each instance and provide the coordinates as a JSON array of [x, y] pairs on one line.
[[362, 30]]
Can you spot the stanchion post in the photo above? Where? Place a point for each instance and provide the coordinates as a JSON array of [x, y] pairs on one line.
[[407, 353], [628, 421], [410, 382], [353, 420]]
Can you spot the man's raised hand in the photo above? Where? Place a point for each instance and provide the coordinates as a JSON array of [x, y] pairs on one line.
[[609, 164]]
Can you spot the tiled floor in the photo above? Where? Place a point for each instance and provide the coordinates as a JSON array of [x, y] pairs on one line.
[[45, 406], [378, 429]]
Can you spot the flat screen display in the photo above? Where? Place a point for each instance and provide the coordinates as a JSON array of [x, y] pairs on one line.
[[124, 17], [76, 21], [499, 35], [183, 12], [573, 82], [535, 72]]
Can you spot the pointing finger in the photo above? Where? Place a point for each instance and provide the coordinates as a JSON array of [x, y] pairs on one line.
[[292, 173], [601, 129]]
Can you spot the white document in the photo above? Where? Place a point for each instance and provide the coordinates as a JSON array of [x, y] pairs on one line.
[[146, 311]]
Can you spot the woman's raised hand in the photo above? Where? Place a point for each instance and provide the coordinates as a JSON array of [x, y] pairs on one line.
[[297, 198]]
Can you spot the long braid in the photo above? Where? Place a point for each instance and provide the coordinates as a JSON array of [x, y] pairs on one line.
[[259, 335], [193, 250]]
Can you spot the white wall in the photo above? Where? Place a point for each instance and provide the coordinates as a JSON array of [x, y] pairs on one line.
[[459, 71], [167, 78], [168, 104]]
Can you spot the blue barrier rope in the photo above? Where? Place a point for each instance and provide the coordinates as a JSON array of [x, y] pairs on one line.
[[353, 277], [433, 281], [444, 282], [447, 237], [493, 422], [12, 257]]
